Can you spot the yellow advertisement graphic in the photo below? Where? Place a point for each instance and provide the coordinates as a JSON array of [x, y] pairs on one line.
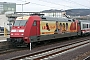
[[65, 27], [55, 27], [47, 27]]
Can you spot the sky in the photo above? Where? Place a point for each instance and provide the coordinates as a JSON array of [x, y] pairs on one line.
[[40, 5]]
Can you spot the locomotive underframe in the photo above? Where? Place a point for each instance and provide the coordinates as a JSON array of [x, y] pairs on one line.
[[20, 41], [16, 41], [53, 36]]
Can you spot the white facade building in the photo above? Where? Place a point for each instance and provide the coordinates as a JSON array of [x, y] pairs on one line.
[[56, 14], [51, 14], [4, 21], [6, 6]]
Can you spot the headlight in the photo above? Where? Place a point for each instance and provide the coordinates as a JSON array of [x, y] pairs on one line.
[[22, 34], [11, 34], [21, 30], [13, 30]]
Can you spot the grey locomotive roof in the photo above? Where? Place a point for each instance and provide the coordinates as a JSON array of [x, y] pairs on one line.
[[84, 20], [45, 18]]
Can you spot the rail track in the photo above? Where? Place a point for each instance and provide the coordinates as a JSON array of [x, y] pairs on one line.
[[6, 47], [52, 52]]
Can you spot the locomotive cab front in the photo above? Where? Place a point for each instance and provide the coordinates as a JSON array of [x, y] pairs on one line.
[[23, 28], [18, 28], [17, 31]]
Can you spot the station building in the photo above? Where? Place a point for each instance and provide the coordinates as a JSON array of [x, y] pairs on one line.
[[7, 20], [51, 13], [6, 6]]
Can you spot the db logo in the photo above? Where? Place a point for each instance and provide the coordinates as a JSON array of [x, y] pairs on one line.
[[16, 34], [17, 30]]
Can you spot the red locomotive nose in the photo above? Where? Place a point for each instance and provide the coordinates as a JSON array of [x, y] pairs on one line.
[[17, 31]]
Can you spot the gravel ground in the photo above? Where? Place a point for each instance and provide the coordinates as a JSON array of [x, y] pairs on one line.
[[18, 53], [67, 55], [77, 54], [83, 56]]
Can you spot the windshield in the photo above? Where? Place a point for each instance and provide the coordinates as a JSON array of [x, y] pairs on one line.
[[20, 22]]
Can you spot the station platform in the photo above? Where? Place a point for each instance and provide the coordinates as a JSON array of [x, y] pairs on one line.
[[4, 38]]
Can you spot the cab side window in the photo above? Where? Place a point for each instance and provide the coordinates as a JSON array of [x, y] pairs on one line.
[[84, 25], [34, 23]]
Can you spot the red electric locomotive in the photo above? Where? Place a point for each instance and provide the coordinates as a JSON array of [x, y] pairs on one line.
[[35, 28]]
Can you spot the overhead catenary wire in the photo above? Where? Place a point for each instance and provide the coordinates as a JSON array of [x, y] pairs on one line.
[[65, 5], [88, 1], [50, 3], [45, 5], [55, 3], [42, 5], [70, 1]]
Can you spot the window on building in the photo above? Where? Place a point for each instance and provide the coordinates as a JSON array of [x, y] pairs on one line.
[[1, 5]]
